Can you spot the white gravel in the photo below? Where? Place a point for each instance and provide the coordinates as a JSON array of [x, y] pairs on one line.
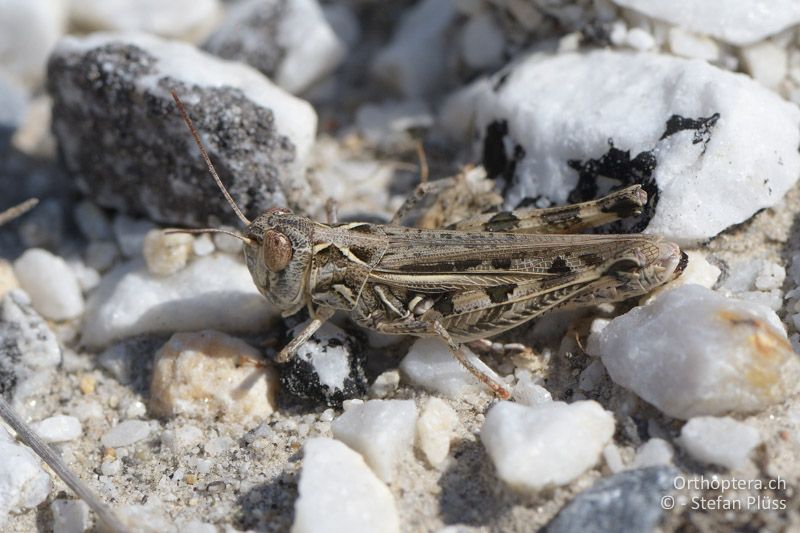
[[214, 292], [380, 430], [720, 441], [550, 444], [127, 433], [23, 482], [430, 365], [435, 429], [51, 284], [59, 428], [340, 494]]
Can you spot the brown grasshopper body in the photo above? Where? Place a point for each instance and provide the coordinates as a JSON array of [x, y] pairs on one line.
[[482, 277]]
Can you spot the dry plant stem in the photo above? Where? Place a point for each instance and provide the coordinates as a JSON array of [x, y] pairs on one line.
[[26, 435], [13, 212]]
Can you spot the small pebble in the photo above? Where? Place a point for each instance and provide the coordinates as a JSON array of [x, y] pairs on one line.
[[528, 392], [431, 366], [87, 384], [126, 433], [130, 234], [92, 222], [687, 44], [211, 375], [339, 493], [766, 62], [770, 276], [218, 445], [50, 283], [148, 518], [226, 243], [591, 376], [720, 441], [166, 254], [135, 410], [24, 483], [203, 245], [111, 468], [70, 516], [88, 278], [58, 428], [435, 426], [654, 452], [613, 458], [101, 255], [550, 444], [385, 384], [380, 430], [183, 437], [639, 39]]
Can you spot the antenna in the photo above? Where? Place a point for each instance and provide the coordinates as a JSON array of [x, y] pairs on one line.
[[207, 159], [210, 230]]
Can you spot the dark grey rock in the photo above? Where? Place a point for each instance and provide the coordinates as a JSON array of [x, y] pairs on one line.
[[328, 369], [28, 348], [13, 104], [629, 501], [122, 138], [250, 34]]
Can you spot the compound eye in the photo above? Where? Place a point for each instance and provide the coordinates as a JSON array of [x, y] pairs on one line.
[[277, 251]]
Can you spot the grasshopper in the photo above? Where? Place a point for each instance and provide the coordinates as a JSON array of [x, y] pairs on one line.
[[478, 278]]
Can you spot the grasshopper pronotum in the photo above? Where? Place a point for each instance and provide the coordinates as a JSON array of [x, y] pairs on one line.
[[483, 276]]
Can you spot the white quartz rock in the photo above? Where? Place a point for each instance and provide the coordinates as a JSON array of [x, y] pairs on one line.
[[736, 22], [718, 145], [182, 19], [694, 352], [652, 453], [70, 516], [380, 430], [413, 63], [127, 433], [59, 428], [50, 283], [430, 365], [28, 31], [23, 482], [206, 374], [527, 392], [482, 42], [340, 494], [435, 428], [721, 441], [767, 62], [549, 444], [213, 292]]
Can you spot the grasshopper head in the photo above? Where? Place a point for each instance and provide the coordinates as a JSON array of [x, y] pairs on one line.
[[278, 256]]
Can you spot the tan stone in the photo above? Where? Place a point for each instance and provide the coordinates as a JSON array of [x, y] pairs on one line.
[[209, 374]]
